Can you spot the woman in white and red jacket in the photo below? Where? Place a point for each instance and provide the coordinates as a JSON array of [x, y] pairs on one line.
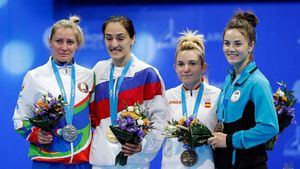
[[132, 81], [193, 97]]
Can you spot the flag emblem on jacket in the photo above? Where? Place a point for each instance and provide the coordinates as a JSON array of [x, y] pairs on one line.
[[207, 104]]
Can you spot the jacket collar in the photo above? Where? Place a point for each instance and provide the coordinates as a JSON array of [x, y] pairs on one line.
[[61, 65], [244, 75]]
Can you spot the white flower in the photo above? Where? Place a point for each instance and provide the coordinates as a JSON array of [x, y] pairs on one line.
[[280, 93], [169, 131], [130, 108], [140, 122], [137, 111], [171, 128]]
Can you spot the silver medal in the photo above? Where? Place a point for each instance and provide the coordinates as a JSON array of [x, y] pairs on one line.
[[69, 133]]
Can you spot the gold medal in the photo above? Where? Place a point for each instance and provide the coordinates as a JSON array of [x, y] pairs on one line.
[[110, 136], [219, 127]]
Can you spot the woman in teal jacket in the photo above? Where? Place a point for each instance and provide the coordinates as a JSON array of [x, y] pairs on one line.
[[246, 112]]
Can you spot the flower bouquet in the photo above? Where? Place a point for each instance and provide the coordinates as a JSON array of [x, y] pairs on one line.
[[191, 133], [284, 101], [132, 125], [47, 111]]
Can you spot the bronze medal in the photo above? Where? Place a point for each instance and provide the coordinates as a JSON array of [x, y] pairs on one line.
[[219, 127], [110, 136], [188, 158]]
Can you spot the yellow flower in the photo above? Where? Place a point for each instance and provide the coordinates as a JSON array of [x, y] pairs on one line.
[[195, 121], [278, 107], [133, 115], [181, 121], [284, 99], [146, 122], [124, 114], [275, 95], [40, 103]]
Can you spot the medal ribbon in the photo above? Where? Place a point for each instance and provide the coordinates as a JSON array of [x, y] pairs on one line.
[[69, 108], [224, 99], [113, 93], [197, 103]]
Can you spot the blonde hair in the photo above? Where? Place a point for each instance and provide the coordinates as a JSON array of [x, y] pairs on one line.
[[72, 23], [190, 40]]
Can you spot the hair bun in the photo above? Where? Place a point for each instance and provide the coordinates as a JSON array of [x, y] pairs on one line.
[[251, 18], [74, 19], [248, 16]]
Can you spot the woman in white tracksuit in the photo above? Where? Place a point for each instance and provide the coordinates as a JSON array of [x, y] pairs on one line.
[[59, 76], [190, 66]]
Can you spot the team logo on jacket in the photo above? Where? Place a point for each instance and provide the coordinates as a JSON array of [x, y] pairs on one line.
[[235, 96], [83, 87], [174, 102]]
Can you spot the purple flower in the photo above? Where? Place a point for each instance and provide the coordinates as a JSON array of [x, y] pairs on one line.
[[50, 95], [132, 129], [141, 133], [53, 116], [129, 120], [123, 127]]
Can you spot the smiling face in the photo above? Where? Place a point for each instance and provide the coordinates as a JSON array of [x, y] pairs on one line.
[[237, 49], [189, 68], [63, 45], [118, 43]]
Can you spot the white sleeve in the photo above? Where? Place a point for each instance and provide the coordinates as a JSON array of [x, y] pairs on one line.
[[25, 101], [157, 108]]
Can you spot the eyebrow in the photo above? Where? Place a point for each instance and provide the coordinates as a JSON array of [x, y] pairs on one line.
[[188, 61], [119, 34], [237, 40]]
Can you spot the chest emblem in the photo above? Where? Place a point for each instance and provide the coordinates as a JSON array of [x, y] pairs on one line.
[[207, 104], [235, 96], [83, 87]]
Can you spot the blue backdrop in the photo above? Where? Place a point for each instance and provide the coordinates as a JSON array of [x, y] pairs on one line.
[[23, 45]]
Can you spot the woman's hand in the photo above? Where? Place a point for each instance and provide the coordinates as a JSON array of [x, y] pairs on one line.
[[130, 149], [44, 137], [218, 140]]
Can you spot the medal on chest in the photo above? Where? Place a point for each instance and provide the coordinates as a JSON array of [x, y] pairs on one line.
[[219, 127], [188, 158], [69, 133], [110, 136]]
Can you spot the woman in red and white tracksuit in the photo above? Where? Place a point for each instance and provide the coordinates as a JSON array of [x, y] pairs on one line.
[[132, 81]]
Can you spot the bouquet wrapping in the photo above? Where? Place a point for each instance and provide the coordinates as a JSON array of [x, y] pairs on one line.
[[132, 125], [284, 101], [47, 111], [191, 133]]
